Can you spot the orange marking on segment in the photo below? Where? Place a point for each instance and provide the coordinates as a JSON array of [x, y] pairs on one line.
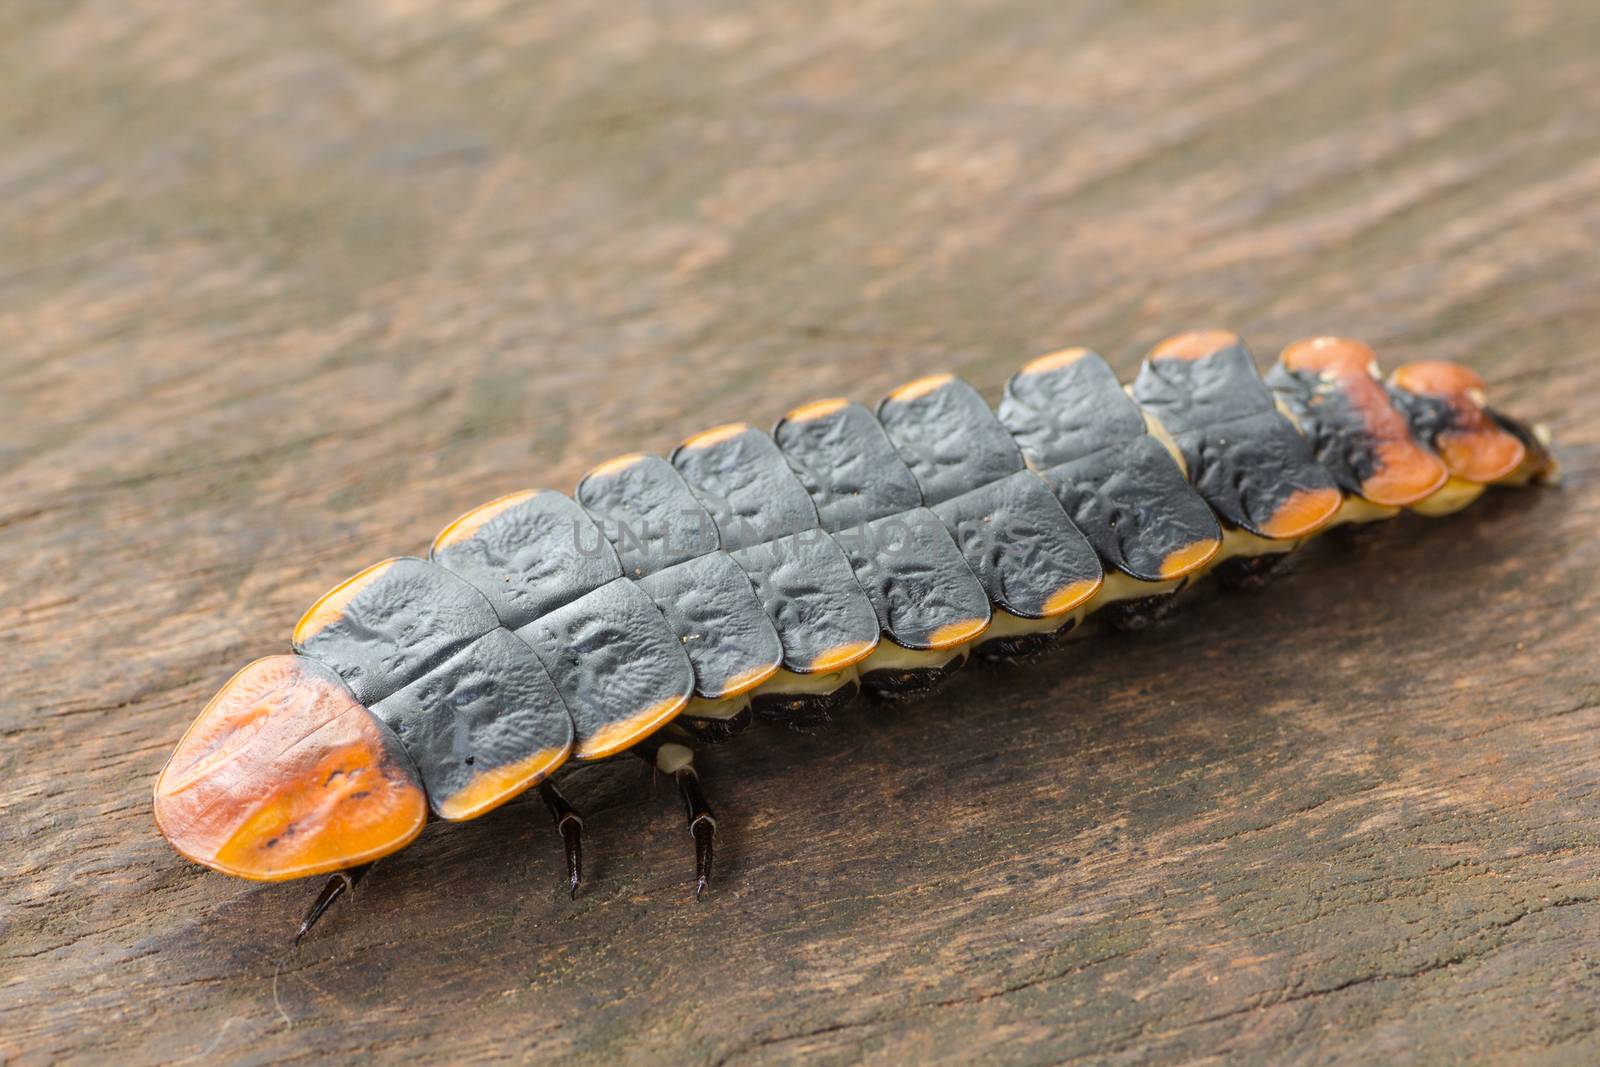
[[284, 775], [1066, 357], [470, 523], [1483, 455], [817, 409], [1339, 354], [1196, 344], [616, 736], [612, 466], [330, 607], [716, 435], [1189, 558], [955, 633], [1071, 595], [920, 387], [1406, 472], [745, 681], [841, 656], [1438, 377], [491, 788], [1305, 511], [1475, 449]]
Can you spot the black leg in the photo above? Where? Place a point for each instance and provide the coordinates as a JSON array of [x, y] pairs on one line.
[[569, 824], [1141, 613], [1358, 536], [702, 826], [715, 731], [677, 759], [1249, 573], [1020, 648], [337, 885], [804, 713]]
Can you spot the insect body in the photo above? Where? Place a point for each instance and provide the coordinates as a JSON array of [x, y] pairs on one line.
[[774, 576]]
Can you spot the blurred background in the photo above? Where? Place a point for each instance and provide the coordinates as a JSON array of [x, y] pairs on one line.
[[562, 216], [284, 287]]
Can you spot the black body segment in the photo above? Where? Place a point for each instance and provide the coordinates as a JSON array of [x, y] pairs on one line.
[[1331, 423], [1068, 405], [771, 528], [741, 477], [809, 591], [648, 513], [1246, 459], [1137, 509], [529, 553], [710, 605], [1198, 380], [947, 435], [847, 464], [1015, 535], [391, 623], [1256, 472], [921, 586], [487, 719], [1331, 387], [1430, 417], [666, 537], [621, 671], [1029, 556], [1117, 483]]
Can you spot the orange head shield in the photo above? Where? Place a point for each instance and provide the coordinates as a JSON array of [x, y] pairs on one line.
[[284, 775]]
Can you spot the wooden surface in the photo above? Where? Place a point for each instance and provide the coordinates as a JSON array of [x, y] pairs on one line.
[[284, 287]]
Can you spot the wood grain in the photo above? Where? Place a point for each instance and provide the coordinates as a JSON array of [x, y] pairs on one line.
[[284, 287]]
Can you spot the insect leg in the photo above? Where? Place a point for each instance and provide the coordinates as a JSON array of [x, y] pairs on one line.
[[702, 825], [1140, 613], [1250, 573], [338, 884], [569, 824], [671, 757], [805, 703]]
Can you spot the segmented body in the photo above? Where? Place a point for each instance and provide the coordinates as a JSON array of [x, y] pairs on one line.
[[773, 575]]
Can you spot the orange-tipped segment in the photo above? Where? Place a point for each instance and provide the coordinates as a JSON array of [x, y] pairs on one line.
[[463, 527], [1304, 512], [1071, 595], [1065, 357], [615, 736], [1189, 558], [284, 775], [1474, 448], [1196, 344], [746, 680], [491, 788], [817, 409], [716, 435], [919, 387], [330, 606], [1406, 472], [954, 634], [616, 465], [839, 657]]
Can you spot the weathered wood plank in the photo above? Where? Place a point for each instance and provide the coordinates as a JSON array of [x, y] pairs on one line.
[[284, 287]]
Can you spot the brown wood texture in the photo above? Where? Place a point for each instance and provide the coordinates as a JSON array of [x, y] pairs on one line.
[[285, 287]]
